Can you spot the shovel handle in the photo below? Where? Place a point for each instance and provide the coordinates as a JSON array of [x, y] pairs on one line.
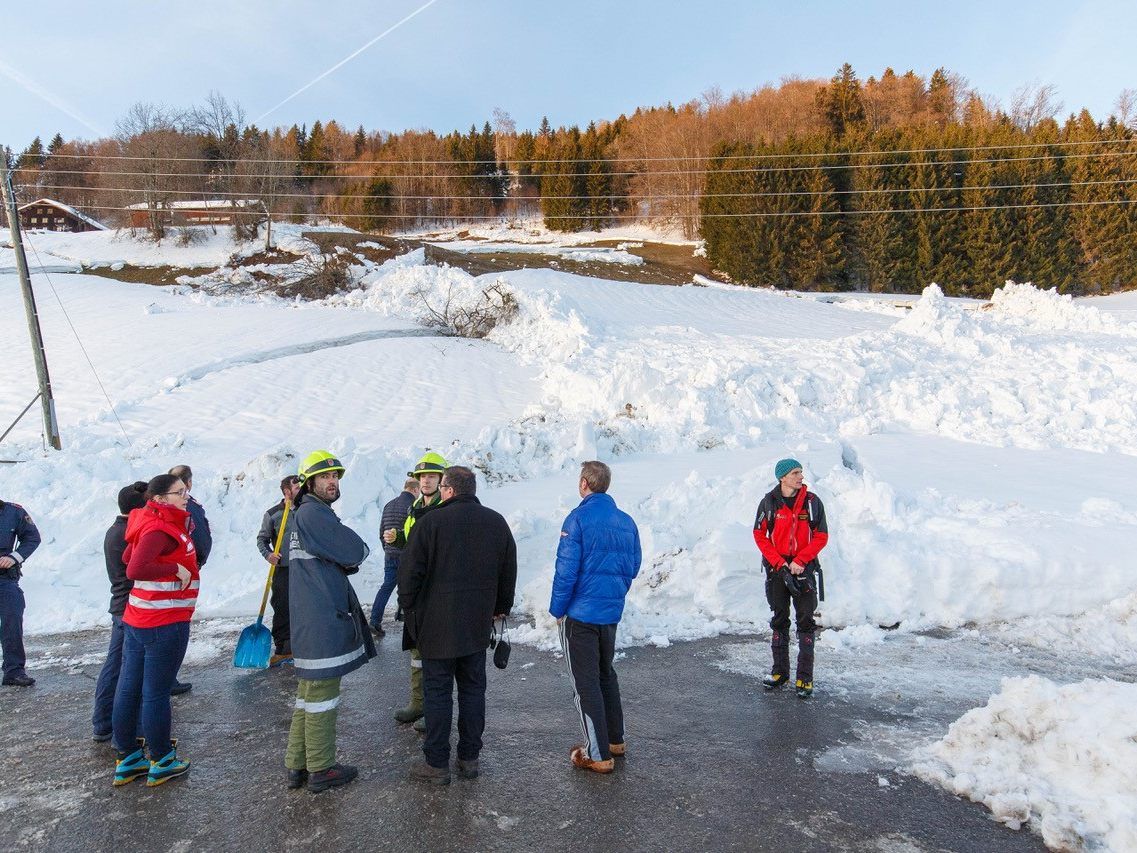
[[276, 551]]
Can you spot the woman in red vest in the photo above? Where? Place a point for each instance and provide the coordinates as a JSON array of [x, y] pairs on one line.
[[161, 560]]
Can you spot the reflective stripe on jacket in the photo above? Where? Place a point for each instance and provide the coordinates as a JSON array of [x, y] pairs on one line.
[[161, 601], [330, 636]]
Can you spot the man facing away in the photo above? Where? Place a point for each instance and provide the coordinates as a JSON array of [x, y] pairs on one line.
[[456, 576], [395, 514], [202, 543], [266, 541], [597, 559], [19, 537], [790, 531], [329, 631]]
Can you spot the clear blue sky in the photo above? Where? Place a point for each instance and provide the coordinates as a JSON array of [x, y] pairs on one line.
[[451, 64]]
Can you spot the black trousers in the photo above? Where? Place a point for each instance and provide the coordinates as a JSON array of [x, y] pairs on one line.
[[281, 637], [805, 604], [438, 678], [589, 650]]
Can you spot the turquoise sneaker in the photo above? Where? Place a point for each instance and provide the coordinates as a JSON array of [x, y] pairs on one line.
[[130, 766], [166, 769]]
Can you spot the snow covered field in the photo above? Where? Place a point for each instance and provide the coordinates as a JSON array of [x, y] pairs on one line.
[[977, 464]]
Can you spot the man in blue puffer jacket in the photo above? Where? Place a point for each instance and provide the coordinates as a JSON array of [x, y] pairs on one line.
[[597, 559]]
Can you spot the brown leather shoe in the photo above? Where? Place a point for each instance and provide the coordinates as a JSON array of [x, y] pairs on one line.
[[579, 758], [617, 749], [420, 771]]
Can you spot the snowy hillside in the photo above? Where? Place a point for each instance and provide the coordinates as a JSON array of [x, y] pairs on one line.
[[976, 460]]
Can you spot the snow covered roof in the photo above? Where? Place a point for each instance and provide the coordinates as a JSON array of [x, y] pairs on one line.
[[66, 208], [208, 203]]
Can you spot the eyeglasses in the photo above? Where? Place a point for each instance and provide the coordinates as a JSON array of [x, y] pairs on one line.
[[180, 493], [446, 486]]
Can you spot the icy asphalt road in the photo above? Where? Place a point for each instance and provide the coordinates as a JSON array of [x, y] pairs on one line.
[[713, 762]]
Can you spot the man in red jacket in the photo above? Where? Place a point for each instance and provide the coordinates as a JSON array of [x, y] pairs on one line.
[[790, 530]]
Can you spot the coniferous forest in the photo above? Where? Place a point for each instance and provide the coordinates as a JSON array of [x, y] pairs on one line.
[[884, 184]]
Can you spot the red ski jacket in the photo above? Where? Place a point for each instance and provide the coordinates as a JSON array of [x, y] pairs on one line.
[[790, 529], [158, 539]]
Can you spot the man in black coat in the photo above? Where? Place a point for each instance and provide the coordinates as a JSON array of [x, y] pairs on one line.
[[456, 576], [130, 498]]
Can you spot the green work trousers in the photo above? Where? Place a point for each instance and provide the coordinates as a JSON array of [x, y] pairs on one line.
[[312, 738]]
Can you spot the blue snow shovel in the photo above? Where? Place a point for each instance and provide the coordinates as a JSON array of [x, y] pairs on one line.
[[254, 647]]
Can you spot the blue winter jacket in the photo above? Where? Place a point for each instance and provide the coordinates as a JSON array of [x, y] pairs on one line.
[[597, 559]]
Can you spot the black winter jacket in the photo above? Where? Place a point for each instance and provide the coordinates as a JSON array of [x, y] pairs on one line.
[[395, 513], [114, 544], [459, 569]]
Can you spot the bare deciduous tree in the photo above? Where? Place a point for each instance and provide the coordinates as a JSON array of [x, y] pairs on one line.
[[1033, 102]]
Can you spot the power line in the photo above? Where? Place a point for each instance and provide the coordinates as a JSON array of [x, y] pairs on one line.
[[676, 158], [757, 170], [78, 340], [636, 216], [223, 196]]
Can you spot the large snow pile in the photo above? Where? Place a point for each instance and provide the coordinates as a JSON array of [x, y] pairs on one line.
[[965, 457], [1062, 759]]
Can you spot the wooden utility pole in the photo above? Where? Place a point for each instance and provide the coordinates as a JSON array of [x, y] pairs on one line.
[[50, 424]]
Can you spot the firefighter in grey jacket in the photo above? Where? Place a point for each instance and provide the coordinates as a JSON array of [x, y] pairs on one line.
[[330, 637], [266, 541]]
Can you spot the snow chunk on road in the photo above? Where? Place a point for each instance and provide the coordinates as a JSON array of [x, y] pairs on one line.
[[1061, 758]]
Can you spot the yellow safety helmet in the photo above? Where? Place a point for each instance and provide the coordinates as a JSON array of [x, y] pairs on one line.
[[318, 462], [431, 463]]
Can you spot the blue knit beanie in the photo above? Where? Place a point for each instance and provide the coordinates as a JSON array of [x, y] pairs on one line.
[[784, 467]]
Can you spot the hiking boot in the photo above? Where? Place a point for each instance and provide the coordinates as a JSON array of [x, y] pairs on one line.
[[278, 659], [413, 711], [772, 682], [337, 774], [130, 766], [168, 768], [101, 737], [378, 631], [297, 779], [618, 750], [420, 725], [420, 771], [180, 687], [579, 758], [804, 688], [467, 768], [21, 680], [409, 714]]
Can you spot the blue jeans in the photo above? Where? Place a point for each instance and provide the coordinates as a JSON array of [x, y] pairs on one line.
[[12, 627], [108, 681], [438, 678], [150, 661], [390, 580]]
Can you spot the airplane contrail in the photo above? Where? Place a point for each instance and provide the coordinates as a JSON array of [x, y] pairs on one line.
[[346, 59], [39, 91]]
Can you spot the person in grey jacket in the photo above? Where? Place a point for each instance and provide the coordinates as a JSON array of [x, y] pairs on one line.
[[266, 542], [330, 637]]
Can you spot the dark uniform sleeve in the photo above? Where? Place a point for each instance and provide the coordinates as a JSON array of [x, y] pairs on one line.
[[326, 536], [266, 538], [27, 534]]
